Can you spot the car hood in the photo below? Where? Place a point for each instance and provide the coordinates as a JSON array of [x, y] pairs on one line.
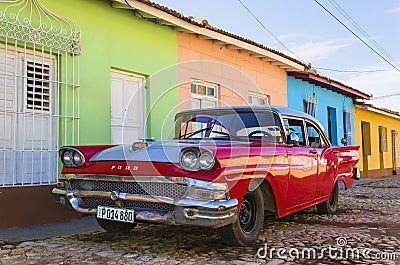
[[159, 151]]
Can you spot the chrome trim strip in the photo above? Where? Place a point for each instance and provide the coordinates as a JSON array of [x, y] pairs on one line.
[[57, 191], [190, 182], [118, 178], [152, 216], [123, 196], [193, 214], [213, 205]]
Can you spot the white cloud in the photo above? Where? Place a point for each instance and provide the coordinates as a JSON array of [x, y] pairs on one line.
[[318, 50], [393, 10], [379, 84]]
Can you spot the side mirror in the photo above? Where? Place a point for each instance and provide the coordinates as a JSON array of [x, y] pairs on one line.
[[344, 141], [293, 139]]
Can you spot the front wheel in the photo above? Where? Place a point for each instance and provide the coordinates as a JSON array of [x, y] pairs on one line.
[[249, 223], [115, 227], [330, 206]]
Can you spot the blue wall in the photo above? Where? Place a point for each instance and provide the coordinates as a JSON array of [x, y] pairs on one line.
[[297, 92]]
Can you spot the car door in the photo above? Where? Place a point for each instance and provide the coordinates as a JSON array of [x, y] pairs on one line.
[[303, 163], [327, 158]]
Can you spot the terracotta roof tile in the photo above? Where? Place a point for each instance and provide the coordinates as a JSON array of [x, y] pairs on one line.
[[314, 77], [379, 108], [205, 24]]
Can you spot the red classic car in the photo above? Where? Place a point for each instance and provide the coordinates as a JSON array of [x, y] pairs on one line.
[[226, 168]]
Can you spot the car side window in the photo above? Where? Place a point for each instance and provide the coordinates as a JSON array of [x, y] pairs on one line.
[[315, 138], [296, 126]]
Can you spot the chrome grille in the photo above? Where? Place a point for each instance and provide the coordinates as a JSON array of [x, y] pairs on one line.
[[94, 201], [171, 190]]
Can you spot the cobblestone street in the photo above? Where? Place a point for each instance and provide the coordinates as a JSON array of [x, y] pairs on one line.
[[367, 224]]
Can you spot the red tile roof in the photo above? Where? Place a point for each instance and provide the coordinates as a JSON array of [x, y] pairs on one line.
[[388, 111], [328, 83], [205, 24]]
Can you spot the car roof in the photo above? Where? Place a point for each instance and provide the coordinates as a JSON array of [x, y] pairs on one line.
[[281, 110]]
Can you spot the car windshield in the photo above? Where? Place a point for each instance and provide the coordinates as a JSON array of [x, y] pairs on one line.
[[230, 125]]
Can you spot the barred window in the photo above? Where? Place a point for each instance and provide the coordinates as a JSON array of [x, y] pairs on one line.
[[347, 126], [37, 86], [310, 105]]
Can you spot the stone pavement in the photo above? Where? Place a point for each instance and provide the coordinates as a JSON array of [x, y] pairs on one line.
[[365, 231]]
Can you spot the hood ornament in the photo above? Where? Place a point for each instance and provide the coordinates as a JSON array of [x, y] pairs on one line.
[[136, 146]]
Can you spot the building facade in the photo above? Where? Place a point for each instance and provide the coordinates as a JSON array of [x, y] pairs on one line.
[[216, 68], [377, 134], [109, 76], [68, 77], [120, 72], [327, 100]]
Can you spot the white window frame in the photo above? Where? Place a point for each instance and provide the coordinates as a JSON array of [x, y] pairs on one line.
[[255, 95], [201, 97]]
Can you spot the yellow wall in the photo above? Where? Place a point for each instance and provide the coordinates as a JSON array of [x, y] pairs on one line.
[[376, 117]]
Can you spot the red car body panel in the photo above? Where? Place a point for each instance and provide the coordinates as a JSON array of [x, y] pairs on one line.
[[299, 177]]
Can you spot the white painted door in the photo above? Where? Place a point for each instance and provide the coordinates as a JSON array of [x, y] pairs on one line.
[[28, 127], [128, 107], [8, 105]]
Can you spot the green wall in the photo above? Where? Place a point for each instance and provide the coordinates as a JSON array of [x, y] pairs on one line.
[[116, 38]]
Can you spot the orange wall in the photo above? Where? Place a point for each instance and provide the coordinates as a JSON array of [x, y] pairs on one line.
[[235, 73]]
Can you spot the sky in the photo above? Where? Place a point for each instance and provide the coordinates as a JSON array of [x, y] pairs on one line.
[[310, 34]]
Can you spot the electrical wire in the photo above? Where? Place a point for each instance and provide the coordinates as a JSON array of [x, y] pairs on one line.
[[359, 28], [386, 96], [352, 32], [354, 71], [264, 27]]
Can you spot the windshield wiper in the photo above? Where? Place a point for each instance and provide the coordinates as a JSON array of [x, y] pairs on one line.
[[229, 135], [185, 136]]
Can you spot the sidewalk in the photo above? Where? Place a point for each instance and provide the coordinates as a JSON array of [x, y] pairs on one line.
[[88, 224], [34, 232], [368, 180]]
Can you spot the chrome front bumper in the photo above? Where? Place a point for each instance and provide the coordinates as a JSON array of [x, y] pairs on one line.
[[185, 211]]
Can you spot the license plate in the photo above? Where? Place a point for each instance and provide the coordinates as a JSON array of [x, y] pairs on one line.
[[115, 214]]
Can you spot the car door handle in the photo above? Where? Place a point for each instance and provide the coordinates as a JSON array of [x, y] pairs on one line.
[[313, 152], [335, 151]]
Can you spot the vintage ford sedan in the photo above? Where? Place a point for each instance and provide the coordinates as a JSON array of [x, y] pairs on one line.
[[226, 168]]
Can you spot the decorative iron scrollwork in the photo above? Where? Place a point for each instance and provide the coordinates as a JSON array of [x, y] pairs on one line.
[[30, 21]]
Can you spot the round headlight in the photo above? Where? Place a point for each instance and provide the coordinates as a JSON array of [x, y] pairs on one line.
[[67, 158], [206, 161], [71, 157], [77, 159], [189, 160]]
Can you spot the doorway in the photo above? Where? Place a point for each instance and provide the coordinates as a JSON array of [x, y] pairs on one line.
[[127, 107], [395, 151], [366, 145], [332, 125]]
